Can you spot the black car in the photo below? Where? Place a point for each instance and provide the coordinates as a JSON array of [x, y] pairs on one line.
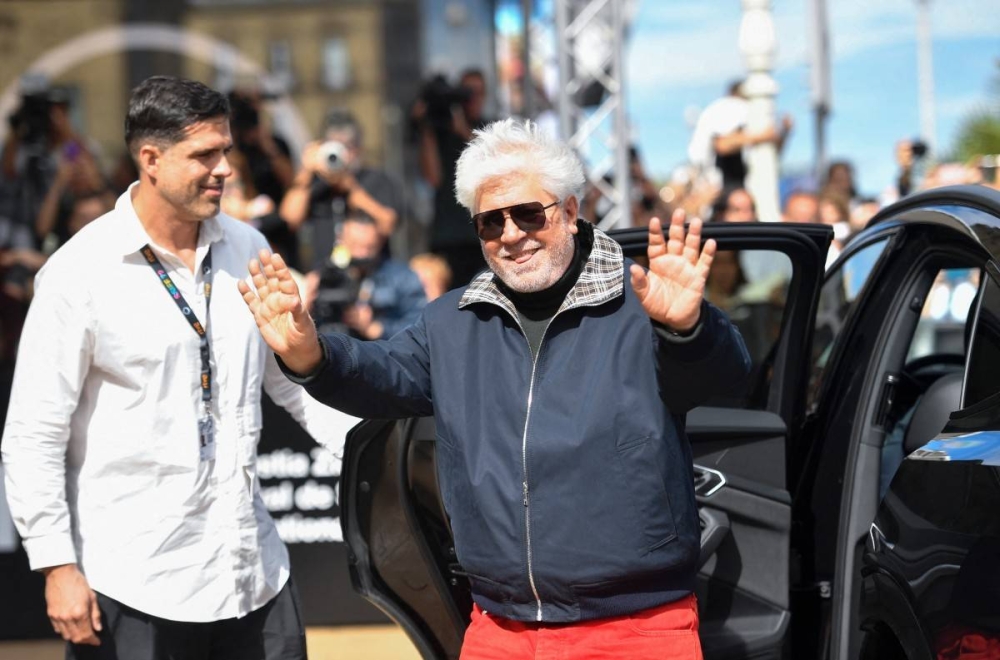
[[849, 498]]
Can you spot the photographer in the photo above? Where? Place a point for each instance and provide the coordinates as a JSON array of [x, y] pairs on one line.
[[445, 117], [41, 134], [334, 183], [361, 291], [77, 195], [267, 156], [908, 152]]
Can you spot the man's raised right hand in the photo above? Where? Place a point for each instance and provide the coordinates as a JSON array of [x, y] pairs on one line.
[[281, 317], [72, 605]]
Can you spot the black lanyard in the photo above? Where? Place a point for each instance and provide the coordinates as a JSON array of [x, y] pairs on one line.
[[192, 318]]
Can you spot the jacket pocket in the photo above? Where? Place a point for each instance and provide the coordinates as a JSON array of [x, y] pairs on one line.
[[484, 586], [641, 476]]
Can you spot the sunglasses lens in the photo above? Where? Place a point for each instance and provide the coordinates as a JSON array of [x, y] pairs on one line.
[[529, 216], [489, 225]]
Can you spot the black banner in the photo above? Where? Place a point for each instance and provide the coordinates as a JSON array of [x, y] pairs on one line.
[[298, 481]]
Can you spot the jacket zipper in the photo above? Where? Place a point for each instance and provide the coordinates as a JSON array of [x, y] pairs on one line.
[[524, 459]]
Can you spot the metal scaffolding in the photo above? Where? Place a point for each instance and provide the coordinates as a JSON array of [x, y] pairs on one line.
[[592, 115]]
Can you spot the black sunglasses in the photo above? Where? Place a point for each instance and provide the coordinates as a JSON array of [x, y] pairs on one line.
[[529, 216]]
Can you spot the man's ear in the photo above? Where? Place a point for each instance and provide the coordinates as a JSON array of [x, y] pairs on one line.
[[572, 209], [148, 159]]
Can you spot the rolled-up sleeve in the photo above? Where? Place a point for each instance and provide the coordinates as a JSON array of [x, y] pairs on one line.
[[53, 359]]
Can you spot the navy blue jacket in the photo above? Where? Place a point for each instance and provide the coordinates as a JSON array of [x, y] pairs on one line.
[[568, 479]]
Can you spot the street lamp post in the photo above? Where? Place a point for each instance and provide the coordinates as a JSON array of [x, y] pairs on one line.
[[925, 74], [757, 44]]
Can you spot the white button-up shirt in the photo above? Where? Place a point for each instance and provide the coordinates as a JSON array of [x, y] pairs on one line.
[[101, 446]]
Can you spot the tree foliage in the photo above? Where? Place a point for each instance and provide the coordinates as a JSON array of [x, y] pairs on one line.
[[979, 134]]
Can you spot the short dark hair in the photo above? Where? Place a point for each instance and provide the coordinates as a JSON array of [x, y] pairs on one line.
[[361, 218], [163, 107], [339, 119], [473, 72]]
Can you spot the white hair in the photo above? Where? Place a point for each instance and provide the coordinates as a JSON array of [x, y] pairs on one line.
[[512, 148]]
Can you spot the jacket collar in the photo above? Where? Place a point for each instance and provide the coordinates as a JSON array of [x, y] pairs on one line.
[[602, 279]]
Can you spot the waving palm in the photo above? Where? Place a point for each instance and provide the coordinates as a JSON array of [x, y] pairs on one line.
[[281, 317], [672, 290]]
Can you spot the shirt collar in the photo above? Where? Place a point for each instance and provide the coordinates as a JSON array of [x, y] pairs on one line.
[[133, 234]]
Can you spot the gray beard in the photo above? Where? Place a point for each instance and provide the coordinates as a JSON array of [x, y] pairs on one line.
[[556, 260]]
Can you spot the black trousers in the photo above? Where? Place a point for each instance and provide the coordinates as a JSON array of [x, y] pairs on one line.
[[274, 632]]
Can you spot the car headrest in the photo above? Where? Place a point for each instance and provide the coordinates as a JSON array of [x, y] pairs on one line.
[[932, 411]]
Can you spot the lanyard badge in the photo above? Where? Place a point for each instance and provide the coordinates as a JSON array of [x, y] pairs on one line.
[[206, 425]]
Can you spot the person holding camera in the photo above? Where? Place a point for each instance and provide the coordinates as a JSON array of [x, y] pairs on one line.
[[445, 117], [334, 183], [359, 290], [41, 137]]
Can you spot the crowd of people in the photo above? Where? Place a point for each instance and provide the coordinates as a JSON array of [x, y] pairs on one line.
[[328, 212], [55, 180], [512, 215]]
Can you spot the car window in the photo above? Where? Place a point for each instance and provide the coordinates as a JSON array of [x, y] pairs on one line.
[[751, 286], [941, 328], [837, 299], [982, 378]]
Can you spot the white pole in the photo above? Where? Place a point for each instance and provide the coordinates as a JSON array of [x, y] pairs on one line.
[[925, 74], [757, 43], [819, 78]]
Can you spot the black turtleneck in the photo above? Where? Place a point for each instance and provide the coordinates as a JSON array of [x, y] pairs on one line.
[[536, 308]]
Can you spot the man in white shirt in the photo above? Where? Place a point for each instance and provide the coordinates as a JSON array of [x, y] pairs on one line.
[[130, 445]]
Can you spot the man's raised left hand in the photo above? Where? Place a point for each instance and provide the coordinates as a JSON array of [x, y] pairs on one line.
[[672, 290]]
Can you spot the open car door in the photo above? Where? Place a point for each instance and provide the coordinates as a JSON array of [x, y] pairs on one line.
[[767, 277]]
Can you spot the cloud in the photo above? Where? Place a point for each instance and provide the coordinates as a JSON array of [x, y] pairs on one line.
[[959, 107]]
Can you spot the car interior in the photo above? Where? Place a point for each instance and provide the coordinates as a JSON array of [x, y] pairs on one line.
[[916, 383], [929, 386]]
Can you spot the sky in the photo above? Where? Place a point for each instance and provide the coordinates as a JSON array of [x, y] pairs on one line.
[[682, 54]]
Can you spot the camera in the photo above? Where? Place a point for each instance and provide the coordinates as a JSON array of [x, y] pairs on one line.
[[31, 121], [343, 282], [440, 97], [339, 288], [919, 148], [333, 156]]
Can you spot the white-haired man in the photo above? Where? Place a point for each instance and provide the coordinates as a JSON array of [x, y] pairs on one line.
[[559, 396]]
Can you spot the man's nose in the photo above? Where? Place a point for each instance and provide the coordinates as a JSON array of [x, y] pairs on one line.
[[222, 169], [511, 232]]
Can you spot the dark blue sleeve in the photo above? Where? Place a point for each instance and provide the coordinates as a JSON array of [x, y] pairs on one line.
[[710, 361], [385, 379]]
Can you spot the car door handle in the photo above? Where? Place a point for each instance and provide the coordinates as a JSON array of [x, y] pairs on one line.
[[714, 529], [707, 481]]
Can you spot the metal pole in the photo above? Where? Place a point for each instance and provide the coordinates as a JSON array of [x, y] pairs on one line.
[[622, 139], [757, 43], [603, 123], [820, 78], [925, 74], [527, 83], [566, 124]]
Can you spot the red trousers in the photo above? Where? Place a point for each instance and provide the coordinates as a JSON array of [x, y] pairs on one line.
[[666, 632]]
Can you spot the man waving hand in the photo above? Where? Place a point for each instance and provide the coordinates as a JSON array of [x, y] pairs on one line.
[[559, 397]]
